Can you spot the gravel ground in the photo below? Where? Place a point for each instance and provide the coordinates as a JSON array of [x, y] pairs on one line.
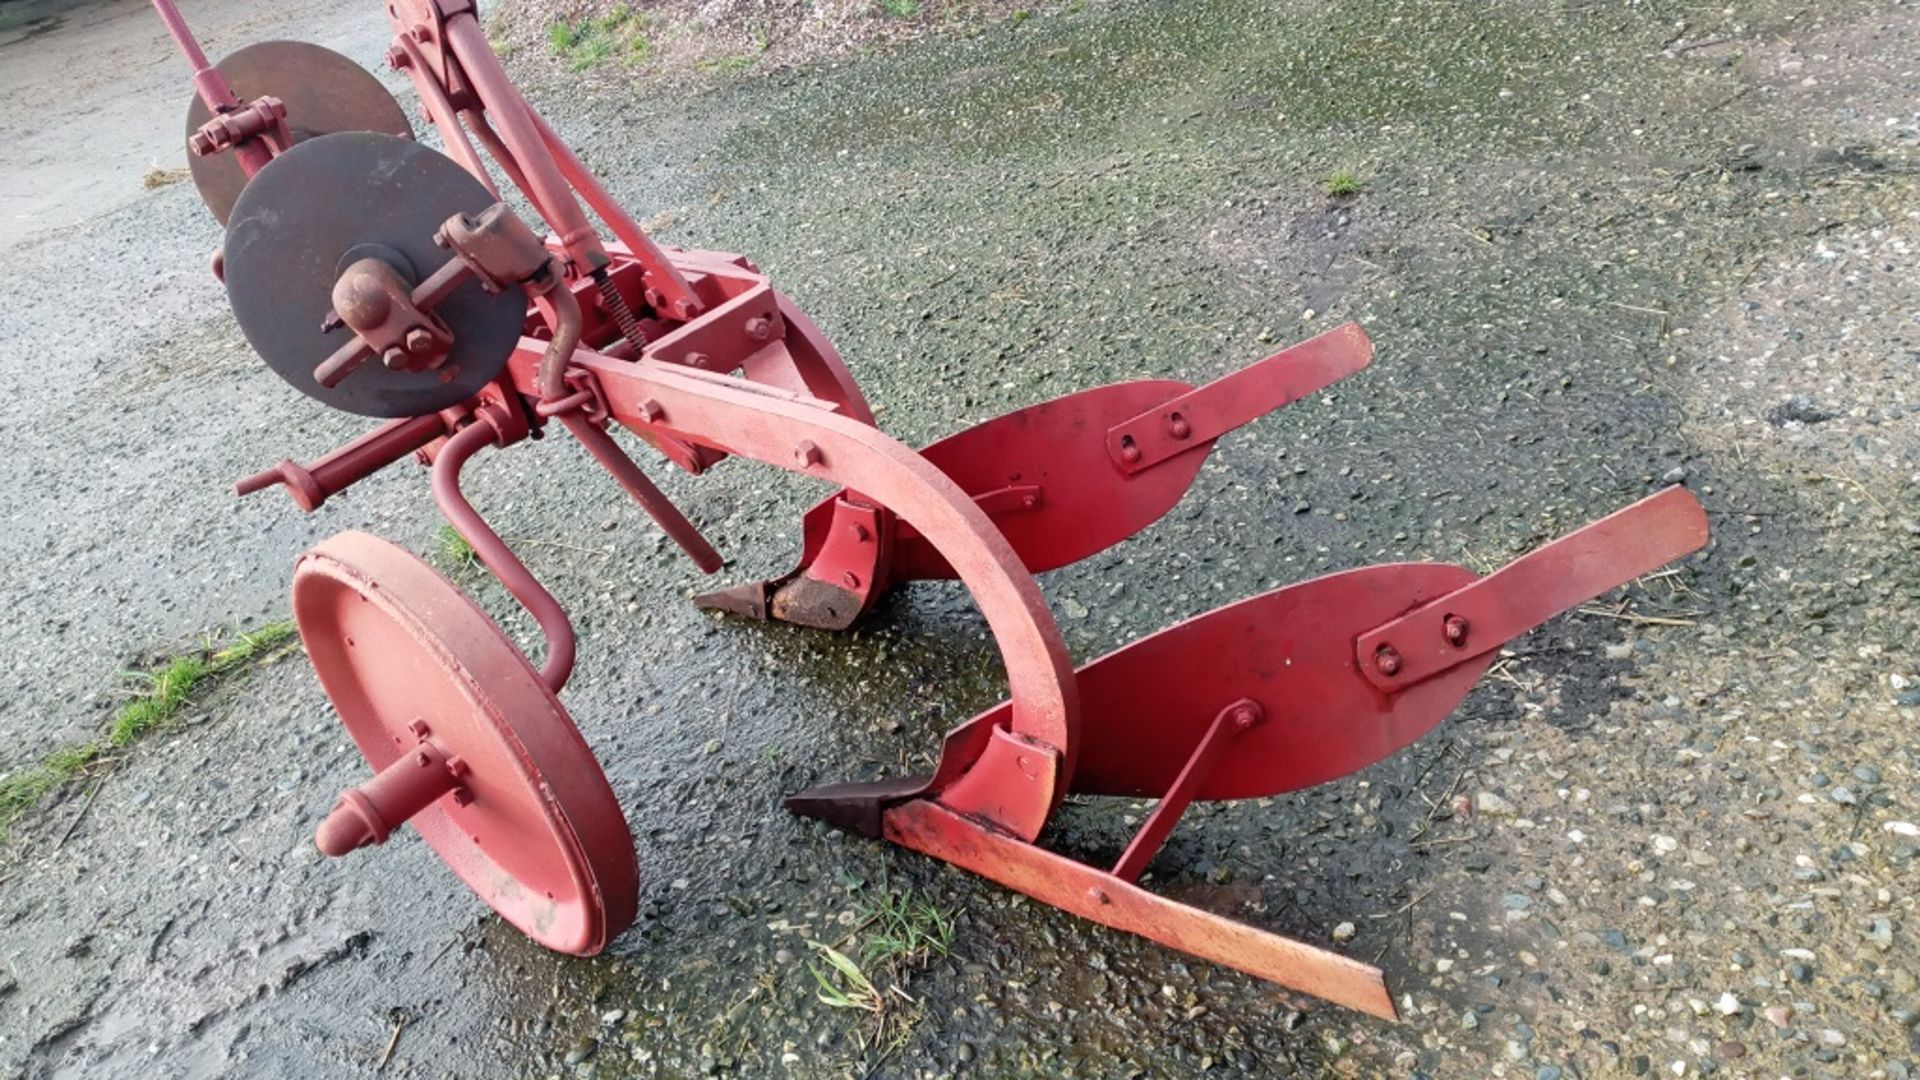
[[1600, 248]]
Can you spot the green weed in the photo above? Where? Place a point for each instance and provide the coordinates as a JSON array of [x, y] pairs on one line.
[[451, 550], [1343, 183], [619, 34], [907, 931], [161, 696], [847, 987]]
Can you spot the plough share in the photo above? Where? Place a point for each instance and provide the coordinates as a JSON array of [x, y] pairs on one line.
[[391, 280]]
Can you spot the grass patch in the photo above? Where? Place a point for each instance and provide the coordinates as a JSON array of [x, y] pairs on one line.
[[907, 930], [620, 34], [897, 933], [900, 9], [160, 696], [1343, 183], [452, 552]]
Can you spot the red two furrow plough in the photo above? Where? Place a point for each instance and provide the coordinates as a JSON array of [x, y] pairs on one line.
[[390, 280]]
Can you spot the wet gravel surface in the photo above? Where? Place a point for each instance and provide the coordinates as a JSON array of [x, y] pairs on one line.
[[1599, 249]]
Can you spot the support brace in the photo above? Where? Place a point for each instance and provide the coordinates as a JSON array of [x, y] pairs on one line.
[[1241, 716]]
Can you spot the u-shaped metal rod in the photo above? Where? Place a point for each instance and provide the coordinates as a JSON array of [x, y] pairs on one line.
[[495, 554]]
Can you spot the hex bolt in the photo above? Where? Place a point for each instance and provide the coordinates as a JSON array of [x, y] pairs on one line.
[[419, 341], [457, 767], [396, 359], [1245, 716], [651, 412], [1455, 629], [1387, 660], [1178, 427], [397, 58], [760, 328], [807, 455]]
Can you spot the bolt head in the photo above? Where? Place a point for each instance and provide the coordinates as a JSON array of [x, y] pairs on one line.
[[419, 341], [807, 454], [1386, 659], [1129, 450], [1178, 427], [1455, 629]]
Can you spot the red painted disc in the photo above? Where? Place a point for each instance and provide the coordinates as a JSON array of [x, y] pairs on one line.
[[543, 840]]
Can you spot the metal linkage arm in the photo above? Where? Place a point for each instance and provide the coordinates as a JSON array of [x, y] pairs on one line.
[[213, 89], [310, 485], [441, 45]]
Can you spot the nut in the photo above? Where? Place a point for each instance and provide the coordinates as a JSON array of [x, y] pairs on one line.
[[1386, 659]]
